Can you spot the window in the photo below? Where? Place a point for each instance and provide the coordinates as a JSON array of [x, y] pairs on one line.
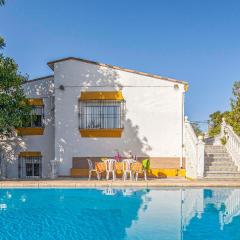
[[36, 118], [101, 114], [30, 166]]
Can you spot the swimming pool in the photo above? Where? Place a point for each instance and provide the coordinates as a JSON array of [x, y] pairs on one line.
[[103, 214]]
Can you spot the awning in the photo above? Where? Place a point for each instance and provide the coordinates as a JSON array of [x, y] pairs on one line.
[[30, 154], [116, 95], [35, 101]]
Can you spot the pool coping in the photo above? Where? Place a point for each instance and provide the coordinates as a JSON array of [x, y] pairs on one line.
[[84, 183]]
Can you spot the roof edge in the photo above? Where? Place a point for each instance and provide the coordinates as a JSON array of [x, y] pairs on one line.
[[51, 65], [37, 79]]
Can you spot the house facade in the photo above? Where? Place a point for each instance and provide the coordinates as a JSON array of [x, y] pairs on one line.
[[92, 110]]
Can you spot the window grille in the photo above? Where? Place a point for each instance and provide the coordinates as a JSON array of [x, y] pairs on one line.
[[30, 167], [104, 114]]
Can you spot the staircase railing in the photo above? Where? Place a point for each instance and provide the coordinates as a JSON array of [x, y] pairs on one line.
[[194, 152], [232, 142]]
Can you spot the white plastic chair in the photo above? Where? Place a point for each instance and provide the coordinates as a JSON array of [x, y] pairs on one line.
[[91, 170], [127, 192], [127, 169], [145, 175], [110, 168], [110, 192]]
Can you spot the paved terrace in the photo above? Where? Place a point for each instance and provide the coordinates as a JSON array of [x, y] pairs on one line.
[[84, 183]]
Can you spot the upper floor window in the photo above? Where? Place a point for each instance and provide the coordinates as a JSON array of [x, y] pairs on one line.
[[101, 114], [37, 114]]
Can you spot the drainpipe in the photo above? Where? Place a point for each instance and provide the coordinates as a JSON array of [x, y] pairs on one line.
[[182, 137]]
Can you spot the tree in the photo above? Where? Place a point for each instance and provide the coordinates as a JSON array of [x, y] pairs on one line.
[[14, 107], [215, 123], [2, 43], [13, 104], [231, 117], [197, 129]]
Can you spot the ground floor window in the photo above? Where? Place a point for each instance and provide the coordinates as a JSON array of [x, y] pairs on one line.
[[30, 167]]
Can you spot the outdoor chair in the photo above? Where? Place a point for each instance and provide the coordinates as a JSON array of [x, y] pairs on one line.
[[91, 169], [110, 168], [145, 169], [144, 173], [109, 191], [127, 169]]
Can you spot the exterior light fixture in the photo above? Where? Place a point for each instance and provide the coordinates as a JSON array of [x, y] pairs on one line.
[[61, 87]]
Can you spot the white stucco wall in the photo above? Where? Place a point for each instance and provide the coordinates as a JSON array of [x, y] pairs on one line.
[[43, 88], [153, 125]]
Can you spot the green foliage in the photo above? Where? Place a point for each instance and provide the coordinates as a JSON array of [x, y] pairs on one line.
[[232, 117], [215, 123], [223, 140], [13, 104], [2, 43], [14, 108], [197, 129], [2, 2]]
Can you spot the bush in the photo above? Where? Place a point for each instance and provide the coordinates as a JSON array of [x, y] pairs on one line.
[[223, 140], [232, 117], [215, 124]]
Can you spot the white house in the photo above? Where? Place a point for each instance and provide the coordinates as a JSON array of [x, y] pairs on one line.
[[92, 110]]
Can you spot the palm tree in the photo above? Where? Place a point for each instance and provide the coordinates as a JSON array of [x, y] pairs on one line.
[[2, 2]]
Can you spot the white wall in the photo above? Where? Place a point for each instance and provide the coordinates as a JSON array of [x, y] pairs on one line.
[[153, 125], [45, 144]]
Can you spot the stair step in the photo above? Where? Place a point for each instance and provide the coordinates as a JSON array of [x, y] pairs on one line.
[[220, 177], [220, 163], [217, 157], [214, 146], [216, 154], [215, 151], [221, 168], [218, 160], [222, 174], [227, 172]]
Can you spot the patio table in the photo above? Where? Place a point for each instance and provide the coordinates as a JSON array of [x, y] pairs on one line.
[[135, 166]]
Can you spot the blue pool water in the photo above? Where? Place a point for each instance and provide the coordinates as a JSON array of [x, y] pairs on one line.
[[133, 214]]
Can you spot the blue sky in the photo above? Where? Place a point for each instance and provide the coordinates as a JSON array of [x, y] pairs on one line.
[[195, 41]]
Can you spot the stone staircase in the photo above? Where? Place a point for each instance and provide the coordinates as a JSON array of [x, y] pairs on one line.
[[219, 164]]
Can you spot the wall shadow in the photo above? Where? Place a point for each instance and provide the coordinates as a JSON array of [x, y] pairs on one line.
[[93, 78]]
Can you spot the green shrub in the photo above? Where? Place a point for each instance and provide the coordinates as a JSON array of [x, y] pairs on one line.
[[231, 117], [223, 140]]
